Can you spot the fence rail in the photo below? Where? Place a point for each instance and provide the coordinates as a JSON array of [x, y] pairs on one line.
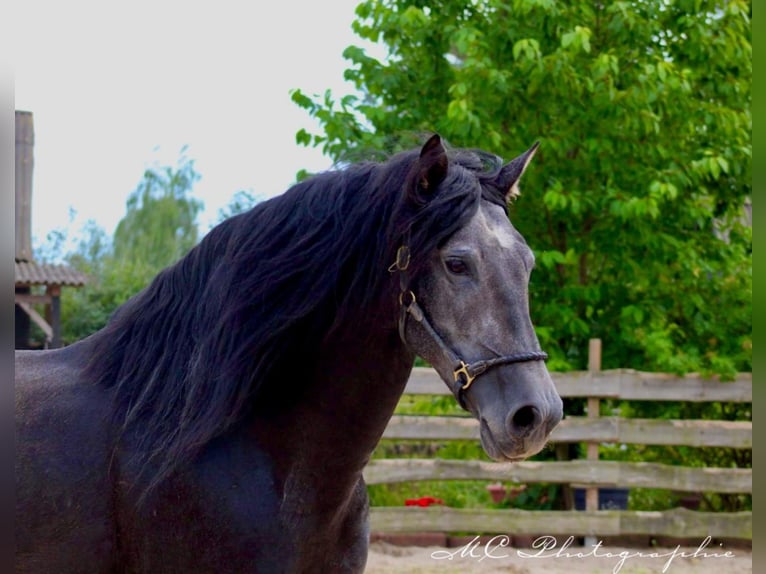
[[590, 473], [675, 522], [581, 472], [700, 433], [624, 384]]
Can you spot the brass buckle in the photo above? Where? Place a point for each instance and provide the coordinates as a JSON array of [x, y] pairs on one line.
[[463, 370], [413, 300], [402, 262]]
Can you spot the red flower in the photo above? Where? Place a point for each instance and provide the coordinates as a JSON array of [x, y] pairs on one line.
[[423, 501]]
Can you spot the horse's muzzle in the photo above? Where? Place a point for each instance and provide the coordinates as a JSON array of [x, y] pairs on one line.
[[525, 432]]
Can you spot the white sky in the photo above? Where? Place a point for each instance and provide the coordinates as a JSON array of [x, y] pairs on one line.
[[118, 87]]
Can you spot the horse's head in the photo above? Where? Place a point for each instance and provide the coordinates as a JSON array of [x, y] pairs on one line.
[[465, 304]]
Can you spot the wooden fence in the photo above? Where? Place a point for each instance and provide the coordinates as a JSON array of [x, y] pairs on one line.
[[589, 473]]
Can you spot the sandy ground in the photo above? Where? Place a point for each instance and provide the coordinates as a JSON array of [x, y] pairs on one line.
[[388, 559]]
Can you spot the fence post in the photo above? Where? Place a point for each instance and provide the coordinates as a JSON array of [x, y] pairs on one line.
[[594, 409]]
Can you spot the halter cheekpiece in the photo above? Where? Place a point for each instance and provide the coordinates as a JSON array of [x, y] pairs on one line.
[[464, 374]]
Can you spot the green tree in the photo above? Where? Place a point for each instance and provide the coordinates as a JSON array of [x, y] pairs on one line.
[[159, 227], [634, 204], [242, 201], [160, 223]]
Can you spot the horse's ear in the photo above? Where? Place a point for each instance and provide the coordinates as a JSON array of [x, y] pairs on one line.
[[508, 179], [432, 165]]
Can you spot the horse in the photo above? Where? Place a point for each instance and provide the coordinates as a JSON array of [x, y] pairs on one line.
[[221, 420]]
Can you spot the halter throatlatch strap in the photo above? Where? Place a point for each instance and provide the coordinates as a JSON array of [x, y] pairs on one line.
[[464, 374]]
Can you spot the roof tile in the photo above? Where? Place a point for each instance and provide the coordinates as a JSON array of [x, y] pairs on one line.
[[31, 273]]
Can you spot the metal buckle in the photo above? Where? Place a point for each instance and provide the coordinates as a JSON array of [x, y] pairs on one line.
[[402, 262], [413, 300], [463, 370]]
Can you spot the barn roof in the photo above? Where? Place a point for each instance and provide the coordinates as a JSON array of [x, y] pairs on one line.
[[31, 273]]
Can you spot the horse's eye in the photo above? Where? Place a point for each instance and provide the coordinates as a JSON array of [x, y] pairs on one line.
[[456, 266]]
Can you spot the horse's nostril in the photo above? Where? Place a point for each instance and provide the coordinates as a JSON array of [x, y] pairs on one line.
[[526, 418]]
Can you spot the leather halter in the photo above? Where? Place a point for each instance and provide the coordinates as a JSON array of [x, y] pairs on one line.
[[464, 374]]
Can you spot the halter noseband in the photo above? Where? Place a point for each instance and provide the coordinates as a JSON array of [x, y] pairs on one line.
[[464, 373]]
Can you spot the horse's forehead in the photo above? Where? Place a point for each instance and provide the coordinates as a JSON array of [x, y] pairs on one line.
[[491, 229]]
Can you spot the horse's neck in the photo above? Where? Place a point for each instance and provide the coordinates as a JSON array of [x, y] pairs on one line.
[[331, 434], [362, 381]]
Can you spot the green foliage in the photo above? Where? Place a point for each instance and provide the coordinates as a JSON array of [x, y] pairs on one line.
[[242, 201], [538, 496], [160, 225], [428, 405], [634, 203], [454, 493]]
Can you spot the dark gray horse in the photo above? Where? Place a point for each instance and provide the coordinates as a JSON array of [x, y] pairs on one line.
[[222, 419]]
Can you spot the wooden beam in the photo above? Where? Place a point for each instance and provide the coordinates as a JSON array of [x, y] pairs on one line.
[[594, 411], [601, 473], [702, 433], [32, 299], [55, 293], [25, 141], [39, 321], [564, 522], [619, 384]]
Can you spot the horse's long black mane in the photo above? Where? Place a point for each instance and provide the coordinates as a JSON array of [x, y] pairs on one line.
[[197, 350]]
